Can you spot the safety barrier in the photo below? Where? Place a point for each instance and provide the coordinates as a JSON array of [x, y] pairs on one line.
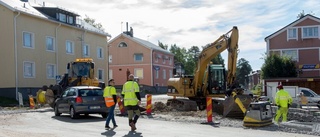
[[209, 109], [149, 104], [121, 107], [31, 101]]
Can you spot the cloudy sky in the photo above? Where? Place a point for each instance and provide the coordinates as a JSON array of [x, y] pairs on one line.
[[189, 23]]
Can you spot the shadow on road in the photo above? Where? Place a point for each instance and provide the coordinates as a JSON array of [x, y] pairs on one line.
[[133, 134], [109, 133], [81, 119]]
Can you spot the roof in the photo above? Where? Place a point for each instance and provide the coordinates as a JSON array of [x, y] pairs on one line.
[[145, 43], [29, 9], [308, 16]]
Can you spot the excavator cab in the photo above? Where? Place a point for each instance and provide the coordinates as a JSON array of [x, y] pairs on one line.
[[216, 79]]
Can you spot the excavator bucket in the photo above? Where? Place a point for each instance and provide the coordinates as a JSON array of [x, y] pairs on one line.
[[236, 110]]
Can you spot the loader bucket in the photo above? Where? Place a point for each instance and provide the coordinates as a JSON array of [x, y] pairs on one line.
[[232, 109]]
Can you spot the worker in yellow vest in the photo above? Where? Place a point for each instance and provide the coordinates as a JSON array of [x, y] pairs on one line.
[[283, 100], [132, 100], [110, 98]]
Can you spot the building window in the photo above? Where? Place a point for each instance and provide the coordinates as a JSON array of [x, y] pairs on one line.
[[157, 74], [110, 74], [164, 74], [163, 60], [170, 60], [170, 73], [100, 74], [310, 32], [293, 54], [28, 40], [122, 44], [28, 69], [138, 72], [69, 47], [70, 19], [62, 17], [51, 71], [156, 59], [138, 57], [86, 50], [292, 33], [100, 53], [50, 44]]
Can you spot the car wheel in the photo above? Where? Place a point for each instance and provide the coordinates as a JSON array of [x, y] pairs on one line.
[[56, 111], [104, 115], [73, 113]]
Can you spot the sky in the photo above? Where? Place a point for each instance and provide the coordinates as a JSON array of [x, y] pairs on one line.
[[188, 23]]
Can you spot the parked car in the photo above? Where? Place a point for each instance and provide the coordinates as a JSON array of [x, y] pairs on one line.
[[311, 95], [81, 100]]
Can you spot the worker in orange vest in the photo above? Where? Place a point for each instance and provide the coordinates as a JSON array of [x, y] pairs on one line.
[[110, 98]]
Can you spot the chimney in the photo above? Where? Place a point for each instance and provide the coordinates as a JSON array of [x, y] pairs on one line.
[[127, 26], [44, 4]]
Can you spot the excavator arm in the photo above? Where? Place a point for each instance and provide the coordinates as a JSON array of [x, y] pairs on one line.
[[227, 41]]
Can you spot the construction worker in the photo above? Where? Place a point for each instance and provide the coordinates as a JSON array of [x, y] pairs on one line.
[[132, 100], [283, 100], [110, 97]]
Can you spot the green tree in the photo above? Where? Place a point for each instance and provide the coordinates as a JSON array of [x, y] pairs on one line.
[[163, 46], [243, 69], [276, 66], [93, 23], [192, 57]]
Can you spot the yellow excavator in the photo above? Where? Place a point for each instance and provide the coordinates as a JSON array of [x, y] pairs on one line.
[[211, 80], [79, 72]]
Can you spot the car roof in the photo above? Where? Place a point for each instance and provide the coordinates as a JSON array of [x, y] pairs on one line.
[[86, 87]]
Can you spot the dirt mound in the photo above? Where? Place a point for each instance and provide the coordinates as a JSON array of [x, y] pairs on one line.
[[160, 106]]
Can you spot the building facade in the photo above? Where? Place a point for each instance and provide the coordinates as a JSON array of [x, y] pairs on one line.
[[151, 64], [299, 40], [37, 42]]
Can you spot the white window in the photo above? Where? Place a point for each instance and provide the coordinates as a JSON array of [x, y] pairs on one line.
[[110, 74], [50, 43], [164, 74], [292, 33], [28, 40], [70, 19], [293, 54], [157, 74], [86, 50], [138, 72], [310, 32], [62, 17], [163, 60], [170, 73], [110, 58], [156, 59], [69, 47], [170, 60], [29, 69], [100, 74], [122, 44], [51, 71], [100, 53], [138, 57]]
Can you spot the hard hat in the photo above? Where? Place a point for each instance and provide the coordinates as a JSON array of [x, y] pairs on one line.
[[280, 86]]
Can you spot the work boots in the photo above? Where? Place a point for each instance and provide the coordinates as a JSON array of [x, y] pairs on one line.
[[132, 125]]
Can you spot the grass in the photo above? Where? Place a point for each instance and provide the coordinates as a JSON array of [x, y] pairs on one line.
[[6, 102]]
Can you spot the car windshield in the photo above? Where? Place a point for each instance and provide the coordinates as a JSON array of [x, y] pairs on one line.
[[90, 92]]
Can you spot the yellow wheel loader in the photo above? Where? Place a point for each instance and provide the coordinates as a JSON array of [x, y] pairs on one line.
[[211, 80], [79, 72]]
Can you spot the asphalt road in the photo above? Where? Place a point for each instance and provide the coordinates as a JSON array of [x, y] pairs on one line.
[[45, 124]]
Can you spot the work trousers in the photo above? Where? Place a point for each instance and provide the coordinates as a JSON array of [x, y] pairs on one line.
[[111, 116], [282, 111]]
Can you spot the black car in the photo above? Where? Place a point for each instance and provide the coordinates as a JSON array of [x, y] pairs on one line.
[[81, 100]]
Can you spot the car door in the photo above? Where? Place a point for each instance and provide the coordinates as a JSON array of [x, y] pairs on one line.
[[62, 102]]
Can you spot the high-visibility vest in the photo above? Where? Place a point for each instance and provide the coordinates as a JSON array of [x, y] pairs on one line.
[[129, 90], [283, 98], [107, 94]]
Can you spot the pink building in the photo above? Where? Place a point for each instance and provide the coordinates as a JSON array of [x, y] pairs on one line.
[[147, 61]]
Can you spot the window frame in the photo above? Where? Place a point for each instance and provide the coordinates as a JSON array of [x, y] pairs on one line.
[[293, 32], [31, 40], [122, 44], [136, 70], [135, 57], [164, 74], [157, 74], [100, 53], [86, 50], [62, 17], [316, 30], [71, 47], [33, 69], [54, 71], [290, 55], [100, 74], [53, 44]]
